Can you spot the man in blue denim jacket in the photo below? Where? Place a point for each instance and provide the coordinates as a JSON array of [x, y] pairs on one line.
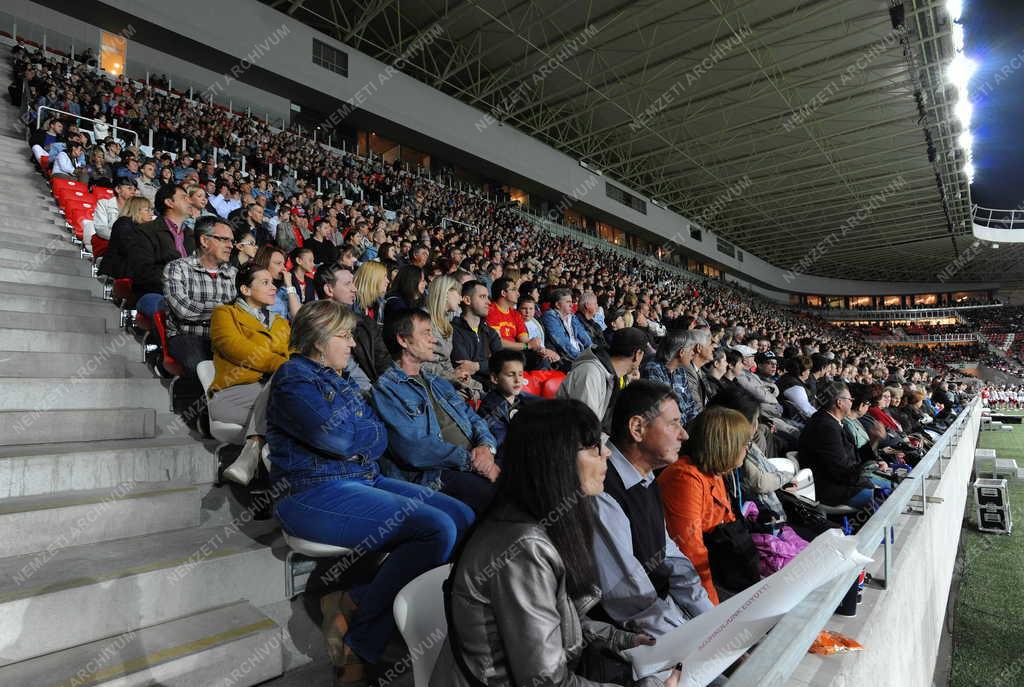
[[565, 333], [433, 435]]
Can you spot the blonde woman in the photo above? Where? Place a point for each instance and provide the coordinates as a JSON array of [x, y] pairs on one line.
[[371, 284], [443, 301], [692, 489], [116, 261]]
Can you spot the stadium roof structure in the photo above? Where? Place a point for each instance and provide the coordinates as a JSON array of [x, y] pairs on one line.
[[811, 133]]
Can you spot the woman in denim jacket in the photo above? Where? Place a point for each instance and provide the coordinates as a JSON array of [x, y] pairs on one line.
[[325, 440]]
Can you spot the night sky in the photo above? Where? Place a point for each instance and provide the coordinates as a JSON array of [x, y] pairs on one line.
[[994, 38]]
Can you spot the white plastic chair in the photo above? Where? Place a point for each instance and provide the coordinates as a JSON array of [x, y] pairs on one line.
[[785, 466], [419, 614], [226, 432]]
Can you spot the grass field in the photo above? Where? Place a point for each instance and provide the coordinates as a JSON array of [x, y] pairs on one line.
[[988, 629]]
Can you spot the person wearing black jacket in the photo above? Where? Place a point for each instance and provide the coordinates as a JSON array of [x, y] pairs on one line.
[[472, 338], [157, 243], [116, 260], [828, 449], [337, 282]]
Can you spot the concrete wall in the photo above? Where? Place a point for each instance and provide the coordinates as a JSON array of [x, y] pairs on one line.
[[382, 91], [900, 627]]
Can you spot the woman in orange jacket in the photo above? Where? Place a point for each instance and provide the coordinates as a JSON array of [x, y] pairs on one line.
[[249, 343], [692, 490]]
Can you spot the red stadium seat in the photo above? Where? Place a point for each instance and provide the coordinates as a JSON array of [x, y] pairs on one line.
[[170, 365], [99, 246], [44, 164], [543, 383]]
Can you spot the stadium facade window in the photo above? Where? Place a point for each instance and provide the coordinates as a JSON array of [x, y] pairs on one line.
[[329, 57], [696, 234], [726, 248], [626, 198], [739, 255]]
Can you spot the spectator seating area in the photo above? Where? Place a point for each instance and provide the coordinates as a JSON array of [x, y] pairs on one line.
[[116, 499]]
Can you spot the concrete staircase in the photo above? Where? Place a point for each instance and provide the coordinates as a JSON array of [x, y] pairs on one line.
[[120, 564]]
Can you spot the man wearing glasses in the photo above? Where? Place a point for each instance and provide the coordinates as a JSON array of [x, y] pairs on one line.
[[193, 287], [829, 450]]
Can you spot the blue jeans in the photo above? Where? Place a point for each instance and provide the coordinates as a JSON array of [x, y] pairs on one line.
[[417, 525], [149, 303]]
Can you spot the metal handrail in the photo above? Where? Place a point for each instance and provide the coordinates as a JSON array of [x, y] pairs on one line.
[[39, 121], [902, 313], [784, 647], [992, 218]]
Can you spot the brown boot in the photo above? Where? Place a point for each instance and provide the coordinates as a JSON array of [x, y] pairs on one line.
[[337, 609]]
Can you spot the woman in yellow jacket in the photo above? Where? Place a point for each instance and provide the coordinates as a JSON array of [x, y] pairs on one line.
[[249, 343]]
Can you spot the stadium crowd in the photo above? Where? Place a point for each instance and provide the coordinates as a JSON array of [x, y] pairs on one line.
[[593, 422]]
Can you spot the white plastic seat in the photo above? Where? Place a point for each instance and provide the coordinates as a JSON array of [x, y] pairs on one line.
[[785, 466], [228, 432], [419, 615], [805, 484], [314, 549]]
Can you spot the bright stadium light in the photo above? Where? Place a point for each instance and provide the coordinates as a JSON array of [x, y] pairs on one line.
[[960, 71], [969, 171], [958, 37], [966, 141], [955, 8], [963, 111]]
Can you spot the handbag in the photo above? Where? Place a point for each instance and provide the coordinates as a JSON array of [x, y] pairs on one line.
[[735, 564]]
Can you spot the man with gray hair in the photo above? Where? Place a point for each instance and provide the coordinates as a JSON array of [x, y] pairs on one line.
[[669, 367], [585, 313], [698, 342], [193, 287]]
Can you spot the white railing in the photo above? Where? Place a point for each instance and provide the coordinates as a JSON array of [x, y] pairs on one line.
[[991, 218], [900, 314], [966, 337], [776, 657], [113, 127]]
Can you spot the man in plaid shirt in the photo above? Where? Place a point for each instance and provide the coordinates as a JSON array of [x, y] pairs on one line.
[[193, 287], [669, 367]]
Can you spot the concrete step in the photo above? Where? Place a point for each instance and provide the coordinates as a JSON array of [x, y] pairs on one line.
[[44, 306], [28, 207], [19, 288], [81, 392], [19, 230], [20, 427], [36, 239], [42, 341], [61, 247], [29, 524], [211, 647], [100, 590], [108, 363], [22, 364], [88, 284], [53, 323], [45, 260], [49, 468]]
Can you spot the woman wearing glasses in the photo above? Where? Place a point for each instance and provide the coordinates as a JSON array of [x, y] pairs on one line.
[[244, 249], [325, 441], [249, 343]]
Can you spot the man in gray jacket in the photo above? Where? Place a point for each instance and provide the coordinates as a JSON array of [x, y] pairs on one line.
[[598, 375]]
